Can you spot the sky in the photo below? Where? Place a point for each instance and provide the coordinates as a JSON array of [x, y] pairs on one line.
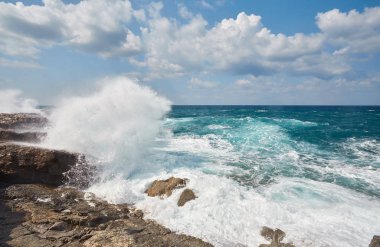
[[260, 52]]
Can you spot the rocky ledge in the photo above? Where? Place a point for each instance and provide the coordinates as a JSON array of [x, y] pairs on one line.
[[38, 209], [38, 215], [22, 120]]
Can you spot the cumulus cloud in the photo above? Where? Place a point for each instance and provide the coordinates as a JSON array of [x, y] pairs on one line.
[[352, 32], [169, 48], [95, 26]]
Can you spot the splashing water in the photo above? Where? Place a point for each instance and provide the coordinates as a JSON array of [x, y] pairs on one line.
[[115, 124], [12, 102]]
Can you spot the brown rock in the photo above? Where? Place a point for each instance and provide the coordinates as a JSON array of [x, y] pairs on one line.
[[22, 120], [375, 241], [165, 187], [7, 135], [41, 221], [186, 195], [275, 237], [27, 164]]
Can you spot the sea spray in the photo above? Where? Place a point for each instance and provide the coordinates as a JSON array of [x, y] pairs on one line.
[[11, 101], [115, 125]]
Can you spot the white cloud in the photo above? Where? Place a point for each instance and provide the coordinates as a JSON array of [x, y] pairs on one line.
[[199, 83], [353, 31], [184, 12], [242, 45], [96, 26]]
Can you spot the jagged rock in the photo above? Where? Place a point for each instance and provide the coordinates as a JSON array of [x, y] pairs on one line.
[[22, 120], [375, 241], [33, 215], [7, 135], [27, 164], [275, 237], [186, 195], [165, 187]]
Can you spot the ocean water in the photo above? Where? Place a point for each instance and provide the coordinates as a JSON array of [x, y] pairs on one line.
[[312, 171]]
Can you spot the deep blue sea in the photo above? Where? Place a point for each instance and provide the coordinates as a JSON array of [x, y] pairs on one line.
[[333, 144]]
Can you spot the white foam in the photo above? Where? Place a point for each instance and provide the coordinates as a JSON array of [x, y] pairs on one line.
[[116, 124], [218, 127], [226, 214], [11, 101]]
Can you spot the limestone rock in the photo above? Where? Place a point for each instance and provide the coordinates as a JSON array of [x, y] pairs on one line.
[[38, 215], [27, 164], [7, 135], [275, 237], [186, 195], [165, 187], [22, 120], [375, 241]]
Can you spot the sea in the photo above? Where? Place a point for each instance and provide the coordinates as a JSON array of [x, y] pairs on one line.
[[311, 171]]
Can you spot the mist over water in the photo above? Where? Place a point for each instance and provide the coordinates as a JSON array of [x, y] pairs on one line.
[[11, 101]]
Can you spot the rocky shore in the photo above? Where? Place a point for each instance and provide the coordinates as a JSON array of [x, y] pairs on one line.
[[41, 203], [37, 210]]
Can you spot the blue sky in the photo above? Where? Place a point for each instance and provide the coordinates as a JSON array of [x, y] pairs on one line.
[[196, 52]]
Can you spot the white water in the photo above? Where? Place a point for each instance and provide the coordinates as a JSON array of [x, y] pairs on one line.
[[11, 101], [116, 124]]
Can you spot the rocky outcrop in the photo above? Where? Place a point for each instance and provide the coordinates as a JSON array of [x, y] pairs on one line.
[[8, 135], [27, 164], [186, 195], [375, 241], [22, 120], [165, 187], [37, 215], [275, 237]]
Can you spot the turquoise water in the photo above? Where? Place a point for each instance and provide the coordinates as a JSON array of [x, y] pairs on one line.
[[257, 145]]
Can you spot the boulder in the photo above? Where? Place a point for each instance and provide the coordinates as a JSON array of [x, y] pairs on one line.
[[165, 187], [22, 120], [186, 195], [27, 164], [375, 241], [275, 237]]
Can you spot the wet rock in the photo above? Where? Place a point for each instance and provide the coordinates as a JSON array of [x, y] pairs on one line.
[[27, 164], [186, 195], [165, 187], [34, 137], [375, 241], [275, 237], [42, 222], [22, 120]]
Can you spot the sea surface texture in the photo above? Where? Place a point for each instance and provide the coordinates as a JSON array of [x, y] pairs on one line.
[[312, 171]]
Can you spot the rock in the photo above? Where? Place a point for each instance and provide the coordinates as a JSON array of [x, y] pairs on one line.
[[27, 164], [22, 120], [375, 241], [165, 187], [7, 135], [186, 195], [275, 237], [43, 223]]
